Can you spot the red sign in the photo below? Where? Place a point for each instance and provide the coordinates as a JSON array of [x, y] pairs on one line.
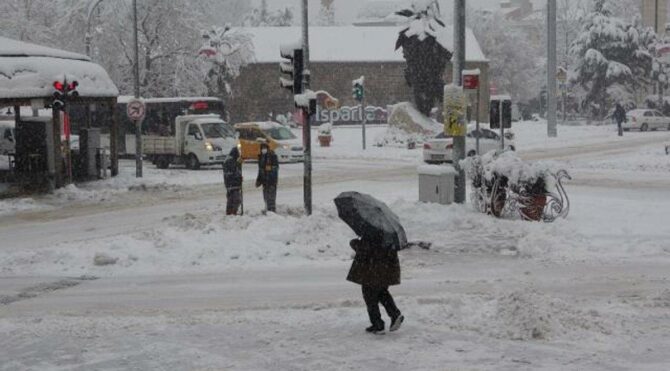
[[136, 109], [470, 81], [199, 106]]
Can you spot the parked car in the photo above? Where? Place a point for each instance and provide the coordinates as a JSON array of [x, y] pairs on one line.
[[280, 139], [645, 120], [440, 148], [7, 137]]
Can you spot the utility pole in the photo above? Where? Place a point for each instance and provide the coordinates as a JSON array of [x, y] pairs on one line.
[[138, 123], [307, 124], [552, 131], [459, 65], [88, 37]]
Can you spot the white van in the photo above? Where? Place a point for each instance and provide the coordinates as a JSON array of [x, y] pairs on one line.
[[199, 140]]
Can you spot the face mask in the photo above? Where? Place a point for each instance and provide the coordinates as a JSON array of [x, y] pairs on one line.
[[264, 151]]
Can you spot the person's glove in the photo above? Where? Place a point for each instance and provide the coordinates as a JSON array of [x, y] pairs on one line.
[[258, 183]]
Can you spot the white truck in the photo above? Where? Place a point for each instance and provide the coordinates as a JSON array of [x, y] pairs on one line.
[[199, 140]]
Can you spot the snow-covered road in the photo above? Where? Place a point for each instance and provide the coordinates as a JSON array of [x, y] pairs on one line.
[[194, 290]]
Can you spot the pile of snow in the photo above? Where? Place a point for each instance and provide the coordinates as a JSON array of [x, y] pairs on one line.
[[407, 125], [211, 242], [398, 138], [521, 314], [405, 116]]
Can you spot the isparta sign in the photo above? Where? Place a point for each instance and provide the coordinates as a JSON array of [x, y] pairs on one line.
[[353, 115]]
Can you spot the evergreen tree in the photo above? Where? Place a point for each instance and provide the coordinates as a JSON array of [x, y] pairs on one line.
[[327, 13], [613, 59], [423, 47]]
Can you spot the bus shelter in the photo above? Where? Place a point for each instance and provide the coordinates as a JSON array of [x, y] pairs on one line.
[[28, 76]]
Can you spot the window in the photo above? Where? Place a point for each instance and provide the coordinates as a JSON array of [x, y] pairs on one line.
[[217, 130], [488, 134], [648, 114], [442, 135], [280, 133], [8, 135], [658, 114], [194, 131]]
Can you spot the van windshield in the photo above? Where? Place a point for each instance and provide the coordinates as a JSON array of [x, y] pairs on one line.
[[280, 133], [217, 130]]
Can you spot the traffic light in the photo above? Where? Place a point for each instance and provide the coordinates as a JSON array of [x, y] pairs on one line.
[[62, 92], [293, 67], [506, 113], [358, 91]]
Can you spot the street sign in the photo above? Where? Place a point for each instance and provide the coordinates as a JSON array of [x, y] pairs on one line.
[[455, 104], [136, 109], [470, 82]]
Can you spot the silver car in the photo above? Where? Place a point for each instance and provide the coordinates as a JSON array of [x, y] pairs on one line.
[[440, 149], [645, 120]]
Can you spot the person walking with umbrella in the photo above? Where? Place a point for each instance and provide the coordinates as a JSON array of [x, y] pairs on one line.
[[268, 175], [376, 265], [232, 178]]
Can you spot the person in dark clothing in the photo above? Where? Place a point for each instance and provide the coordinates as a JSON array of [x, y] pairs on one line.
[[376, 268], [232, 178], [619, 116], [268, 176]]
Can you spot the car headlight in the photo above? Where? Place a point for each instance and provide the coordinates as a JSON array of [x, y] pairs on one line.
[[286, 147], [212, 147]]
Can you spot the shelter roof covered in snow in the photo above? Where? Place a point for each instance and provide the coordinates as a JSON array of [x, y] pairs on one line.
[[28, 71], [346, 43]]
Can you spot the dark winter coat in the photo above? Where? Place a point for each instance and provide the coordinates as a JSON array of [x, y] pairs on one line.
[[619, 114], [268, 169], [232, 173], [374, 266]]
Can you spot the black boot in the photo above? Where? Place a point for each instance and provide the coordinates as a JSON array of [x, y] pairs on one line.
[[396, 322], [376, 329]]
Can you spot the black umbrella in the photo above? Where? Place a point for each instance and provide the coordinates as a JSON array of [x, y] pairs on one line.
[[371, 219]]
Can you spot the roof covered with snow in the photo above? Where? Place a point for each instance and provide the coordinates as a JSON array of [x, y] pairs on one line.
[[346, 43], [15, 48], [28, 71]]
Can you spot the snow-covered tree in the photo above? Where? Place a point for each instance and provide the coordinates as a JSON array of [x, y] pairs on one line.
[[226, 51], [326, 13], [168, 40], [517, 67], [424, 48], [30, 20], [263, 17], [612, 59]]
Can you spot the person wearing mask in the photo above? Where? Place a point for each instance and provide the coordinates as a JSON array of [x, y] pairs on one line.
[[268, 175]]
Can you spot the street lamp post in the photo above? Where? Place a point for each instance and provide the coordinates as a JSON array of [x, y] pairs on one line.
[[88, 37]]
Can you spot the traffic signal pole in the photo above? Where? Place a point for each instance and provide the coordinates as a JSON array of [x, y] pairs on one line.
[[459, 65], [307, 124], [551, 69], [138, 123]]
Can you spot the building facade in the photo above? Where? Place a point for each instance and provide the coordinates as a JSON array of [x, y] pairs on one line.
[[338, 56], [655, 14]]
